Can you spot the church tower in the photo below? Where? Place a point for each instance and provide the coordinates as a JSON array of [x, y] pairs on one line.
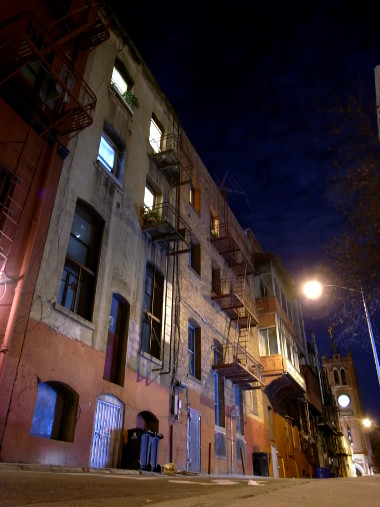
[[341, 374]]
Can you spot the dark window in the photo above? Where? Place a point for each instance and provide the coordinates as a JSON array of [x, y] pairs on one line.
[[152, 316], [55, 412], [219, 388], [195, 258], [216, 282], [114, 367], [343, 376], [336, 377], [194, 351], [77, 290]]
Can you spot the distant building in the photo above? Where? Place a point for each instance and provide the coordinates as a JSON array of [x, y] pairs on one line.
[[341, 375]]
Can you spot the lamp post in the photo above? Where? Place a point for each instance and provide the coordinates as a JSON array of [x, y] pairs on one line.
[[313, 290]]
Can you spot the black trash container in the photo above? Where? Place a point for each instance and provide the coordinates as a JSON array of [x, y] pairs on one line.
[[260, 464], [141, 450]]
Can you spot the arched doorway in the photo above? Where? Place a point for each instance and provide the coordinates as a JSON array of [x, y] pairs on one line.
[[107, 433]]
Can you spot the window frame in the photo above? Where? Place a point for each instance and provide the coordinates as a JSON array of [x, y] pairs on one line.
[[152, 316], [195, 258], [194, 351], [83, 275], [114, 142], [156, 144]]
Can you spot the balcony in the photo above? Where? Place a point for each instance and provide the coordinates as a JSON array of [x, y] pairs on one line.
[[237, 365], [164, 225], [284, 383], [270, 304], [233, 246], [235, 302], [313, 391], [172, 160]]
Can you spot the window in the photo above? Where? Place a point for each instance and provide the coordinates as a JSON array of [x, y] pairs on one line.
[[219, 401], [216, 282], [343, 376], [152, 316], [239, 404], [111, 153], [114, 367], [194, 351], [264, 287], [195, 257], [155, 134], [55, 412], [78, 283], [5, 180], [336, 377], [195, 197], [214, 224], [149, 198], [120, 79], [268, 345]]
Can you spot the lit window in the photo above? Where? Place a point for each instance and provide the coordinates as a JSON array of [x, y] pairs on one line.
[[155, 135], [55, 412], [114, 367], [152, 312], [149, 198], [268, 345], [110, 154], [118, 80], [77, 290], [195, 197]]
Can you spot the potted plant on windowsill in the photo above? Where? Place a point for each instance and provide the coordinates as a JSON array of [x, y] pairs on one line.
[[151, 216], [131, 99]]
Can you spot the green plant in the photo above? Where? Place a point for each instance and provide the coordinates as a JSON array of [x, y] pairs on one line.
[[130, 99]]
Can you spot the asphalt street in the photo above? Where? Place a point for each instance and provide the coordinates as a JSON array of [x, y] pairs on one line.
[[27, 486]]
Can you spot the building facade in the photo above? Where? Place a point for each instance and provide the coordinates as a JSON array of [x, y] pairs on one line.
[[146, 309]]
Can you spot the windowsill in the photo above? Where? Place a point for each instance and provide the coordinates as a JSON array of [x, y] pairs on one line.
[[117, 183], [194, 379], [120, 100], [74, 316], [195, 272], [150, 358]]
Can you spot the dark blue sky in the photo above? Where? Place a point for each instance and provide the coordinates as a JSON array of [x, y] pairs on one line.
[[255, 84]]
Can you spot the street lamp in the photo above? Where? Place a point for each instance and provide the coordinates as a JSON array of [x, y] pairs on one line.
[[313, 290]]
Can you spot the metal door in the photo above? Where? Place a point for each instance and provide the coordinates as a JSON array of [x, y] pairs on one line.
[[108, 426], [194, 441], [275, 462]]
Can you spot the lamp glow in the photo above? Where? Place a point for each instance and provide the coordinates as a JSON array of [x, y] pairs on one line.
[[312, 289], [367, 423]]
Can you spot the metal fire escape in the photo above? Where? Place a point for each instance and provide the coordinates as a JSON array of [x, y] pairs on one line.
[[163, 222], [41, 83], [232, 294]]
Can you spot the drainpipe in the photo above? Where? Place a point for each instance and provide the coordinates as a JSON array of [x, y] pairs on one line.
[[232, 413]]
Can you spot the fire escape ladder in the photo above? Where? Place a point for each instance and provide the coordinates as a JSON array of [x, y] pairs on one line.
[[16, 185], [81, 22], [66, 101]]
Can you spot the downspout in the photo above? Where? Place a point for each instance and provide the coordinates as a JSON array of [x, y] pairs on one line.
[[232, 409]]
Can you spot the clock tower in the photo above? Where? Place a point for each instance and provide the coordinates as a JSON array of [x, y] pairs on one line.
[[341, 374]]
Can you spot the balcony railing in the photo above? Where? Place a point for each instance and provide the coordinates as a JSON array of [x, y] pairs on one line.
[[172, 160], [232, 244], [165, 225], [235, 301], [237, 365]]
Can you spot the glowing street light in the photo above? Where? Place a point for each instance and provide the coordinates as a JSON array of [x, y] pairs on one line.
[[313, 290], [367, 423]]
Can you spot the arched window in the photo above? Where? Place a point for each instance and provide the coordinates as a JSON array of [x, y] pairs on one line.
[[343, 376], [336, 377], [55, 412]]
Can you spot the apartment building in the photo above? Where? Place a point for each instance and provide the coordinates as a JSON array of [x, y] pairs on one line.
[[150, 310]]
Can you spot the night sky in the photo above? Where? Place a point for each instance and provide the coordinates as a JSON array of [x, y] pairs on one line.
[[256, 85]]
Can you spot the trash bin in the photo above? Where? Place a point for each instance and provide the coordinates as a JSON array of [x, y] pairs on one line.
[[260, 464], [141, 450], [155, 441], [319, 472]]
